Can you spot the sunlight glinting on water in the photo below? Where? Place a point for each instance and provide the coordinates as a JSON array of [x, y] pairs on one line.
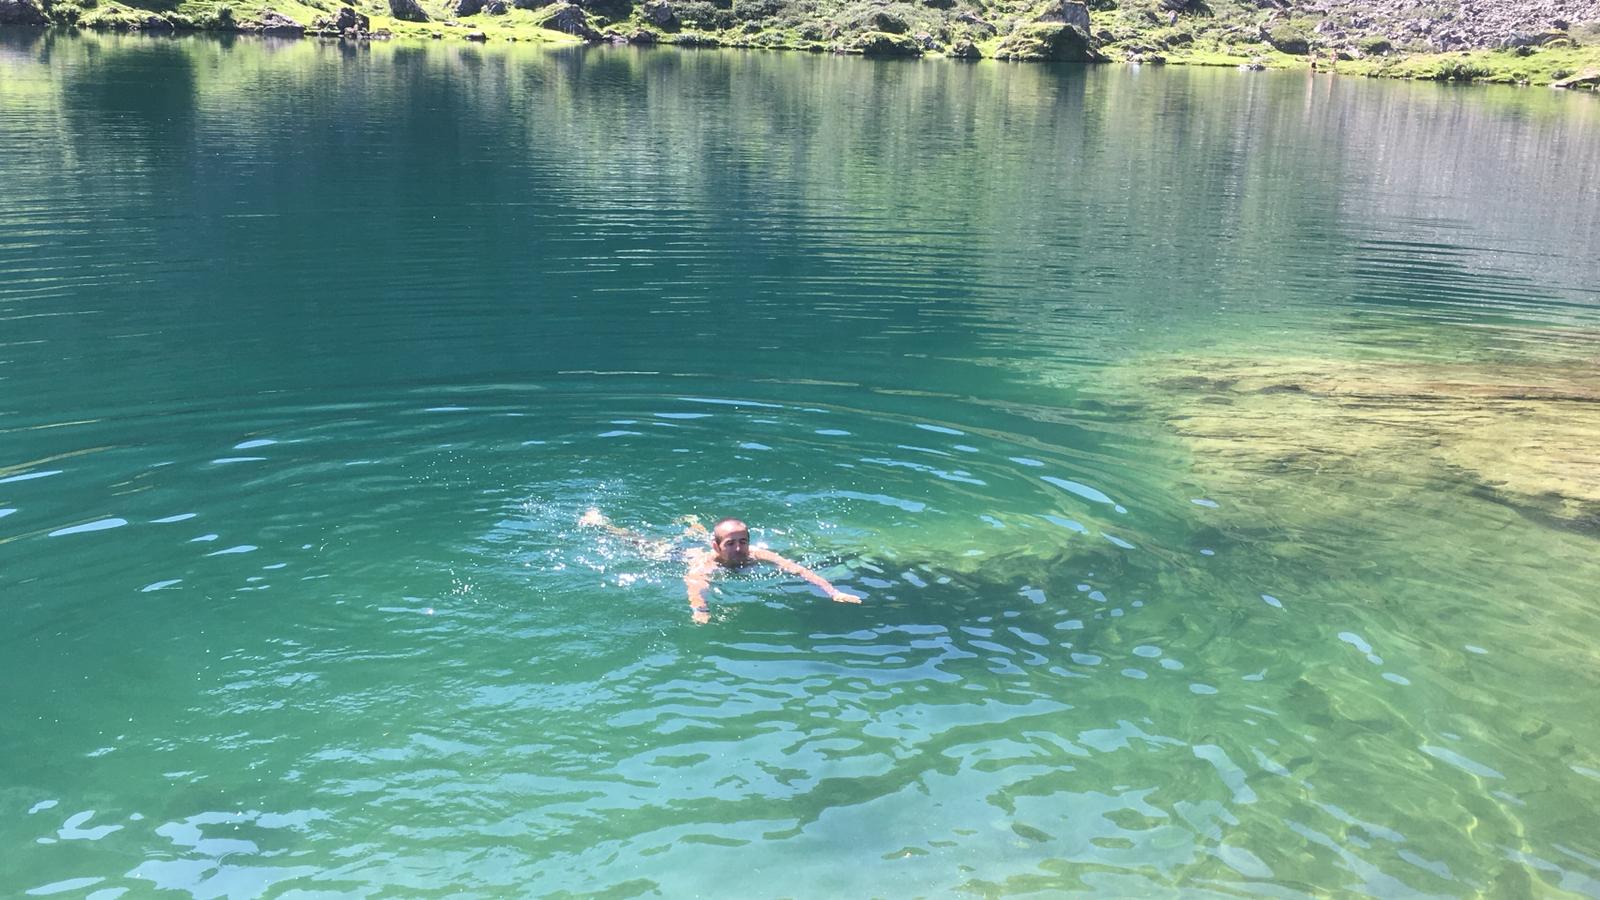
[[1159, 418]]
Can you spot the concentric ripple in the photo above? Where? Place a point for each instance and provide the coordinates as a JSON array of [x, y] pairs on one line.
[[1146, 412]]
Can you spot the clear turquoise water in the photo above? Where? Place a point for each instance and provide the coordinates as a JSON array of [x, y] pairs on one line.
[[310, 358]]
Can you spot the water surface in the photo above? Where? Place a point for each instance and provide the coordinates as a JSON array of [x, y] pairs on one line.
[[311, 356]]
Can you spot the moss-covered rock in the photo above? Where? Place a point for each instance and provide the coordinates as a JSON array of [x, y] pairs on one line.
[[882, 43], [1062, 43], [965, 50], [1289, 39], [567, 18]]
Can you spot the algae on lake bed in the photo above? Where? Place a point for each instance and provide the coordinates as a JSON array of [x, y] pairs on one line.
[[1521, 434]]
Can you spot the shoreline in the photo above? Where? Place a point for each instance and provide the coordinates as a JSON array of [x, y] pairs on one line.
[[1576, 68]]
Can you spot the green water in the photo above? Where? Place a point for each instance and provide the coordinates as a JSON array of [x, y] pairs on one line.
[[310, 357]]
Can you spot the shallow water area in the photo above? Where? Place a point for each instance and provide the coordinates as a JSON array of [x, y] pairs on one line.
[[1207, 448]]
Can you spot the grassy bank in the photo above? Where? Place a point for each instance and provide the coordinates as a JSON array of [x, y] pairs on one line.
[[1538, 67]]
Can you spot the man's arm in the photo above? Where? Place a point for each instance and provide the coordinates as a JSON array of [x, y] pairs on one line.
[[794, 568], [696, 581]]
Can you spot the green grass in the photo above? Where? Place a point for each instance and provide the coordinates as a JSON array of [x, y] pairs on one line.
[[518, 25], [1542, 66]]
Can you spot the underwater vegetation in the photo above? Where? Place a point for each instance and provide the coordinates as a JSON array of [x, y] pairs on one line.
[[1522, 435]]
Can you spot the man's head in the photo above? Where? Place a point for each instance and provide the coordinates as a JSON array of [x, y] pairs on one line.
[[730, 540]]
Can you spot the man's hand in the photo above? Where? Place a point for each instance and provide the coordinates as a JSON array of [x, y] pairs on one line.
[[842, 597], [701, 615]]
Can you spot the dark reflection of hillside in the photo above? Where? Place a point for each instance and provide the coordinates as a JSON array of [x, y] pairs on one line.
[[141, 102], [410, 202]]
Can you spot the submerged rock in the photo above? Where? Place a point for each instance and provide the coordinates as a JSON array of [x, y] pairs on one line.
[[1521, 435]]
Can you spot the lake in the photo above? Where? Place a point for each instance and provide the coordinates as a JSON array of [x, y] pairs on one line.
[[1213, 452]]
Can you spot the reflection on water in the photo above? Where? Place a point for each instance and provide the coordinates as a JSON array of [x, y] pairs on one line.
[[1209, 451]]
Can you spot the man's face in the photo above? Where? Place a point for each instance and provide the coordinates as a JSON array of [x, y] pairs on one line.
[[731, 543]]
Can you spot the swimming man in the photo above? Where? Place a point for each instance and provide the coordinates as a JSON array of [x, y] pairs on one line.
[[730, 549]]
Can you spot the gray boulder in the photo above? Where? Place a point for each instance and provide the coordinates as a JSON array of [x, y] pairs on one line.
[[22, 12], [407, 11], [660, 13], [1588, 78], [977, 22], [467, 7], [1047, 41], [274, 23], [883, 43], [350, 20], [570, 19], [1066, 12], [965, 50], [496, 7], [886, 22]]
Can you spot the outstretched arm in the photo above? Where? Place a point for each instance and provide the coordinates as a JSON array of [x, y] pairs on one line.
[[794, 568], [696, 581]]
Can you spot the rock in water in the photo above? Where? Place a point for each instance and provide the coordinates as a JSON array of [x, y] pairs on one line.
[[407, 10], [21, 12]]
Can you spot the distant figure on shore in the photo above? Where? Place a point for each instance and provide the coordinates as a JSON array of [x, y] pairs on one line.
[[730, 549]]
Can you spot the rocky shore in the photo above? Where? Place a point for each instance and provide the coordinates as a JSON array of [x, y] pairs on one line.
[[1527, 41]]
